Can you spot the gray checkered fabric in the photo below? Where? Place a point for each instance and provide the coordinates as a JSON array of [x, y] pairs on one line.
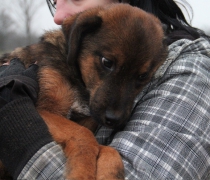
[[168, 135], [48, 163]]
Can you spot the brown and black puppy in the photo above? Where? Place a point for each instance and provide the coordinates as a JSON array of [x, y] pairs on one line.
[[94, 68]]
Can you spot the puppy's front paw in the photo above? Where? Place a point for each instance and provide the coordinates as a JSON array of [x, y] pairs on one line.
[[81, 159], [109, 164]]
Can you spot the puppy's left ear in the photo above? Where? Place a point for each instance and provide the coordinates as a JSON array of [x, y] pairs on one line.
[[76, 27]]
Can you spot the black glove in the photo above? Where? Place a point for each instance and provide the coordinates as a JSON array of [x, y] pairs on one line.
[[22, 130], [17, 82]]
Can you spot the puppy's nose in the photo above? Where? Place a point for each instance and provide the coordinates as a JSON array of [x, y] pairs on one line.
[[112, 118]]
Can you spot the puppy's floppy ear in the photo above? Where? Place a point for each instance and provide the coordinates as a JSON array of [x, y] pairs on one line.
[[76, 27]]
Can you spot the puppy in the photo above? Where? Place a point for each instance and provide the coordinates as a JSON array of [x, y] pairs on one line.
[[93, 69]]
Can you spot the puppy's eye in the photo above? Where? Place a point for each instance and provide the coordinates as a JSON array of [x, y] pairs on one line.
[[143, 76], [107, 63], [142, 79]]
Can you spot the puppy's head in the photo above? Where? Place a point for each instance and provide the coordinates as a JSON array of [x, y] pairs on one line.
[[116, 50]]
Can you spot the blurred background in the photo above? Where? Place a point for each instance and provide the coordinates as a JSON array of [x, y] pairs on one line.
[[23, 21]]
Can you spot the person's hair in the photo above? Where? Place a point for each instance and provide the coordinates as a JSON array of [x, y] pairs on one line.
[[51, 6], [172, 16]]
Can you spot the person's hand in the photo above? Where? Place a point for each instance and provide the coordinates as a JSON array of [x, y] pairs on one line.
[[18, 82]]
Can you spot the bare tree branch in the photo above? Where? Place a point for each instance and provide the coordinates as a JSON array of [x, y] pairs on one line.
[[26, 10], [16, 15]]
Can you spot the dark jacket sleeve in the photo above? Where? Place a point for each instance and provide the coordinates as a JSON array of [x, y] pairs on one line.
[[22, 130], [22, 133]]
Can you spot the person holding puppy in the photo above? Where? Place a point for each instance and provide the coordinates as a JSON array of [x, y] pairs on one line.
[[167, 136]]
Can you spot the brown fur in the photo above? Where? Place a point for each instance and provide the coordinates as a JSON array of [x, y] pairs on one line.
[[74, 82]]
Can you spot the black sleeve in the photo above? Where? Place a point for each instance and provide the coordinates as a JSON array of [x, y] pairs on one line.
[[22, 133], [22, 130]]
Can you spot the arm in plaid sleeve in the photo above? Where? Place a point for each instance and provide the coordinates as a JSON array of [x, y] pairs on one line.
[[168, 135], [48, 163]]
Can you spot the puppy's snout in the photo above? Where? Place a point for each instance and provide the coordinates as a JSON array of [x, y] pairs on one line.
[[112, 119]]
